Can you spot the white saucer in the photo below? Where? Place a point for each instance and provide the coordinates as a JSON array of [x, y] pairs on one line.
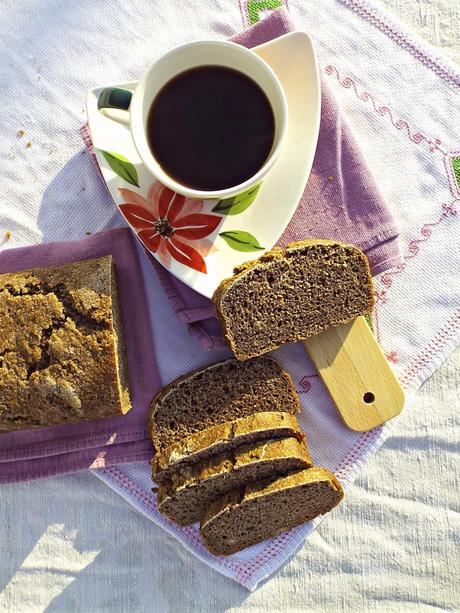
[[239, 236]]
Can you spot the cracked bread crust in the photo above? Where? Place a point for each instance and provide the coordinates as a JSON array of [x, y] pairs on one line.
[[61, 359], [292, 294]]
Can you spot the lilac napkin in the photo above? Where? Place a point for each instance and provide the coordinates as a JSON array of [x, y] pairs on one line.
[[42, 452], [341, 200]]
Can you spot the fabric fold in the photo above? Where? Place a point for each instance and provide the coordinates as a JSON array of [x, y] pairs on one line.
[[43, 452], [100, 456]]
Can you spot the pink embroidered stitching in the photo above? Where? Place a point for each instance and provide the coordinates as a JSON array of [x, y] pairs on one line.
[[305, 382], [271, 550], [399, 124], [392, 357], [376, 323], [428, 352], [356, 450], [402, 40], [414, 248]]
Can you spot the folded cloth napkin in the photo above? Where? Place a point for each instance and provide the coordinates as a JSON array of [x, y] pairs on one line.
[[43, 452], [341, 199]]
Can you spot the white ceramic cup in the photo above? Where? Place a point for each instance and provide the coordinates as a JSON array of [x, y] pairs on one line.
[[192, 55]]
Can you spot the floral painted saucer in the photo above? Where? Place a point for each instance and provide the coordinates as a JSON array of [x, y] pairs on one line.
[[201, 241]]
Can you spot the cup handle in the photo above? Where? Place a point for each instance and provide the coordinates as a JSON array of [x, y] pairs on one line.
[[114, 98]]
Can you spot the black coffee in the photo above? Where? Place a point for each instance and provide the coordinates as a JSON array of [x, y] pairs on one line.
[[211, 128]]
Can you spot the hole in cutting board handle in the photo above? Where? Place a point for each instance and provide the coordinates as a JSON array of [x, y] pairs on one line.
[[368, 397]]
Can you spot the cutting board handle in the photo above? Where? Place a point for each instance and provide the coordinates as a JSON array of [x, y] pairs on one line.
[[357, 374]]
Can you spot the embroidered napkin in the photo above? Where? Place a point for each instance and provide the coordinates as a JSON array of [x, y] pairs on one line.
[[43, 452]]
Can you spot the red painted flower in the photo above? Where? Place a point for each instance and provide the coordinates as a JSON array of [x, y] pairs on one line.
[[171, 225]]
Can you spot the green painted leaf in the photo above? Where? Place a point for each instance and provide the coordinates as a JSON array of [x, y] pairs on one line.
[[456, 166], [256, 6], [241, 241], [123, 167], [237, 204], [368, 318]]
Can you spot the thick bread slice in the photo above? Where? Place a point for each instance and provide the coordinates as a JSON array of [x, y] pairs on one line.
[[223, 438], [291, 295], [192, 490], [260, 511], [216, 394]]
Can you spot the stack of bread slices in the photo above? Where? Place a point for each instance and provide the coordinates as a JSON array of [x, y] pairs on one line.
[[230, 454]]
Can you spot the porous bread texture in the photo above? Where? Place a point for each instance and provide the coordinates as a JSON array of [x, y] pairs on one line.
[[263, 510], [293, 294], [61, 355], [192, 490], [216, 394], [223, 438]]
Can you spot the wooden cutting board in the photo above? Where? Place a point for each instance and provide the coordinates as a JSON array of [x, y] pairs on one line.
[[357, 374]]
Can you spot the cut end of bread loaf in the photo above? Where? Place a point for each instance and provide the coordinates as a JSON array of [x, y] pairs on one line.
[[293, 294], [261, 511], [216, 394], [121, 360]]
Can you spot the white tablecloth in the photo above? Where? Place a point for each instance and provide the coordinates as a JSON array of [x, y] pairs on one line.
[[71, 544]]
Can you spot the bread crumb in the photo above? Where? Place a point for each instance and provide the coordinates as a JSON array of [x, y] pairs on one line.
[[8, 235], [29, 144], [20, 133], [330, 179]]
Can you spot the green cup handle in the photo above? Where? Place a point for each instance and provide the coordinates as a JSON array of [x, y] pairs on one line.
[[114, 98]]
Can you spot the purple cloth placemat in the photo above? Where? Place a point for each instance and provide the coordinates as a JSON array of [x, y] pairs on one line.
[[341, 200], [102, 456], [41, 452]]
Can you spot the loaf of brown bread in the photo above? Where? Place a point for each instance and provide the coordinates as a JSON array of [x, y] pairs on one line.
[[223, 438], [216, 394], [61, 352], [293, 294], [190, 492], [264, 510]]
